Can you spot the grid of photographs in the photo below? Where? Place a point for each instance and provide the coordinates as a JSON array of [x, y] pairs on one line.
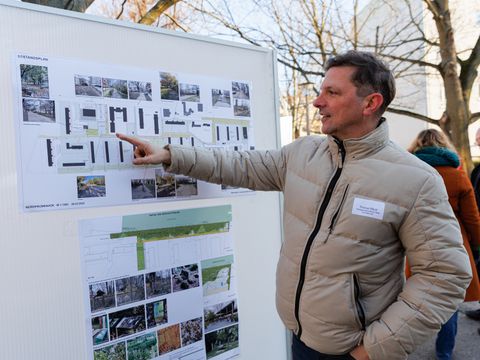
[[36, 103], [126, 310], [131, 305], [95, 86], [164, 185], [221, 318]]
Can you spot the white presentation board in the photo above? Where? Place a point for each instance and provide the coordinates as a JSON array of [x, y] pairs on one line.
[[42, 303]]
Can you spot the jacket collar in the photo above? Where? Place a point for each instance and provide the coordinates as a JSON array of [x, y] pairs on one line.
[[361, 147]]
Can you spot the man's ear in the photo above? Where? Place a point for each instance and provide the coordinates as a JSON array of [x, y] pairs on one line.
[[373, 103]]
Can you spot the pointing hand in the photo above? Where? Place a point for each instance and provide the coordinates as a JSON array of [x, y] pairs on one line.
[[146, 153]]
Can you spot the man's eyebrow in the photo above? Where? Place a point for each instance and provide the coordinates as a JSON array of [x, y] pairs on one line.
[[329, 87]]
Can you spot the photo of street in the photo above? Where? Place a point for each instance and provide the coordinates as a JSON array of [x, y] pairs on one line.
[[139, 90], [88, 85], [91, 186], [143, 189], [189, 92], [168, 86], [114, 88], [221, 98], [240, 90], [35, 110], [185, 186], [34, 81]]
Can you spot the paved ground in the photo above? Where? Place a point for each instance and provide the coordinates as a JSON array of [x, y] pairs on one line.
[[468, 340]]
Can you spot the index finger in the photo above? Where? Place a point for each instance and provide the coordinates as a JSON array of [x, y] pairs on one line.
[[131, 139]]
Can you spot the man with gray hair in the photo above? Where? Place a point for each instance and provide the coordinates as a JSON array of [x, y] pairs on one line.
[[355, 204]]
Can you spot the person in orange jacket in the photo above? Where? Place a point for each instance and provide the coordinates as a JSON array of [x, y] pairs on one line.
[[434, 148]]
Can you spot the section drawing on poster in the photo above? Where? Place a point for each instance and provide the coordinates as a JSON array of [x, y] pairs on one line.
[[160, 283], [68, 112]]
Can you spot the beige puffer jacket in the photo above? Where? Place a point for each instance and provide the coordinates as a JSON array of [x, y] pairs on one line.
[[347, 227]]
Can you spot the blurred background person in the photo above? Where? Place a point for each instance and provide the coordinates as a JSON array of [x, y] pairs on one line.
[[433, 147]]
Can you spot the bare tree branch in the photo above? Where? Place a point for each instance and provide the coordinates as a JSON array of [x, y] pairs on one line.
[[413, 115], [154, 13]]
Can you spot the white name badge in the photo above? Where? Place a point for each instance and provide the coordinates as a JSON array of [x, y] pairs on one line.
[[369, 208]]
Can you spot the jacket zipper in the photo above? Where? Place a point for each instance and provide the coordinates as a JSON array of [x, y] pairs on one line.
[[358, 305], [316, 229]]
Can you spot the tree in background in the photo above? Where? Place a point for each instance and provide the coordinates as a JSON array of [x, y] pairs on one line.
[[305, 33]]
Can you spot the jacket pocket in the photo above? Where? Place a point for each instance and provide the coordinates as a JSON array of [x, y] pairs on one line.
[[336, 214], [358, 307]]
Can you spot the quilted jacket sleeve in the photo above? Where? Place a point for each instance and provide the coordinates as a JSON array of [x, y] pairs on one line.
[[440, 274], [257, 170]]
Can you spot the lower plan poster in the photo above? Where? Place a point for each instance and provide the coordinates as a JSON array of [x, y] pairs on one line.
[[160, 285]]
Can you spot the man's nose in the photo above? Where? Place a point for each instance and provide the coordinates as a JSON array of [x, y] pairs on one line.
[[319, 102]]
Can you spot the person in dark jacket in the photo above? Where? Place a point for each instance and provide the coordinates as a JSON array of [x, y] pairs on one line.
[[433, 147], [475, 179]]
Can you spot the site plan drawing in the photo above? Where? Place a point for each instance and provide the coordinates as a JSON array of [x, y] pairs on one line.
[[68, 112], [160, 286]]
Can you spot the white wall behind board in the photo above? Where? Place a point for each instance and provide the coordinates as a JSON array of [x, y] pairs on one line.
[[41, 306]]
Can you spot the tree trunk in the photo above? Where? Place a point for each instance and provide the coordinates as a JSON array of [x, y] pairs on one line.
[[458, 114]]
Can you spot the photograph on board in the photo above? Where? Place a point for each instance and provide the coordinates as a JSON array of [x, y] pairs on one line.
[[185, 277], [130, 289], [143, 188], [165, 183], [220, 341], [168, 86], [34, 81], [140, 90], [126, 322], [191, 331], [100, 329], [216, 274], [189, 92], [240, 90], [88, 85], [241, 107], [221, 98], [168, 339], [102, 296], [220, 315], [156, 313], [143, 347], [185, 186], [158, 283], [111, 352], [38, 111], [115, 88], [91, 186]]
